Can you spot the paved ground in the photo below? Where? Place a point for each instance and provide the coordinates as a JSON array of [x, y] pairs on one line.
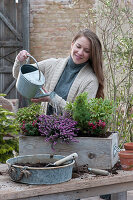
[[129, 196]]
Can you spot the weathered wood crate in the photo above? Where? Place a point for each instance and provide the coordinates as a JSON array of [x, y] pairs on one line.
[[96, 152]]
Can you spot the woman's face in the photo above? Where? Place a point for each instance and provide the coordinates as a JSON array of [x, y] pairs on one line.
[[81, 50]]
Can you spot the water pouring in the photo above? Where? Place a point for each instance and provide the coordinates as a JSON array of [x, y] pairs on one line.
[[30, 81]]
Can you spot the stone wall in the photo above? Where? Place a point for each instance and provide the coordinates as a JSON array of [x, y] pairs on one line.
[[53, 24]]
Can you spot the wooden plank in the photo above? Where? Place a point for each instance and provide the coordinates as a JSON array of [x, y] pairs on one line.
[[10, 26], [11, 43], [71, 190], [6, 58], [25, 24], [11, 52], [74, 189], [6, 70], [96, 152], [10, 87], [1, 30]]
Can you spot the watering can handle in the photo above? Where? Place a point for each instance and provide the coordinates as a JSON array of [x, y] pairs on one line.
[[36, 64]]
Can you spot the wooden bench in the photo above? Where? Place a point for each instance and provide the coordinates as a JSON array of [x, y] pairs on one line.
[[76, 188]]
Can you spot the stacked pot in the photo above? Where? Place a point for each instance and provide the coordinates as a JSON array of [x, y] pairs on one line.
[[126, 157]]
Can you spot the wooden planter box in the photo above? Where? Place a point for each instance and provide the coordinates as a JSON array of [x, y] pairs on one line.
[[96, 152]]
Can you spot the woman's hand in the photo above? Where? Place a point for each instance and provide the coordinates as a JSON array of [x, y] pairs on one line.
[[41, 99], [22, 55]]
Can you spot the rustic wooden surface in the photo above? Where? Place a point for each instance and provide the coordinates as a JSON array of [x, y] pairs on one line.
[[82, 187], [14, 36], [96, 152]]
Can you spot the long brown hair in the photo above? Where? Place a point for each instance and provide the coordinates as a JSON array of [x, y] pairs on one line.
[[96, 57]]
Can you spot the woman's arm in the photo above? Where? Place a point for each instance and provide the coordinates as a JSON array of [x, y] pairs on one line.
[[21, 59], [45, 66], [91, 88]]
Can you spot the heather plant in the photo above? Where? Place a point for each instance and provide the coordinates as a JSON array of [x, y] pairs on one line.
[[57, 129]]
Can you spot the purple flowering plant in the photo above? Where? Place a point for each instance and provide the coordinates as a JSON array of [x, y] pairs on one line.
[[57, 128]]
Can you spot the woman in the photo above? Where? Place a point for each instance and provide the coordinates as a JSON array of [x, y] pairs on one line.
[[66, 78]]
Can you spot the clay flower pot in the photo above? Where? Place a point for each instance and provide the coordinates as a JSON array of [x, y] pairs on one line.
[[126, 160], [129, 146]]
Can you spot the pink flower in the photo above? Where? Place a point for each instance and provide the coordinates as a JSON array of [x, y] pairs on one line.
[[103, 124], [90, 124], [94, 127]]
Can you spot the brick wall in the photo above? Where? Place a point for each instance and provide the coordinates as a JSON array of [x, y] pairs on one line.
[[53, 24]]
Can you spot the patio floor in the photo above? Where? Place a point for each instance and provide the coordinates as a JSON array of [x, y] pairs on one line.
[[129, 196]]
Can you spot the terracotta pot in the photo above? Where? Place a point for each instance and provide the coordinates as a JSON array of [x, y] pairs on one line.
[[128, 146], [126, 159]]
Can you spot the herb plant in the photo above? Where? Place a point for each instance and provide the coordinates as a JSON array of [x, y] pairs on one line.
[[93, 117], [101, 109], [80, 111]]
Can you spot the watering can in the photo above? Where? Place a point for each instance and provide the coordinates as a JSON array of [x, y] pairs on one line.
[[30, 81]]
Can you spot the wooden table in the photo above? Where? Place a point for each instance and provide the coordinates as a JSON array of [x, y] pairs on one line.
[[77, 188]]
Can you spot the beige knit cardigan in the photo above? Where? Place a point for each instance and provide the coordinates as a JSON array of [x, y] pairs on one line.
[[85, 81]]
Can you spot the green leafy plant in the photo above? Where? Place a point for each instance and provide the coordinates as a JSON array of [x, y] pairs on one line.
[[7, 128], [115, 33], [113, 23], [79, 110], [96, 115], [30, 128], [28, 113], [26, 118], [101, 109]]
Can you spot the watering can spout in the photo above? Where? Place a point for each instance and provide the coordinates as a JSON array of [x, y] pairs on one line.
[[41, 93]]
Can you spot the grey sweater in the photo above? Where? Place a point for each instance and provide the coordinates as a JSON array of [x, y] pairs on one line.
[[85, 81], [64, 84], [67, 77]]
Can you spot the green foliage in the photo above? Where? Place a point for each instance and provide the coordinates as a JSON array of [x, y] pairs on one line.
[[7, 128], [26, 118], [7, 147], [113, 21], [7, 122], [101, 110], [93, 111], [79, 111], [3, 95], [30, 128], [28, 114]]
